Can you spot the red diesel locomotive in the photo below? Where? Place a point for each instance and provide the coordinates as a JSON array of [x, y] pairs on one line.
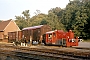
[[59, 37], [43, 34]]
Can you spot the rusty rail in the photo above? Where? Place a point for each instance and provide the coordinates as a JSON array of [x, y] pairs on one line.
[[53, 53]]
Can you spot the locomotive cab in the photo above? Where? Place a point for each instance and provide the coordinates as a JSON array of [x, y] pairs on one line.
[[50, 37]]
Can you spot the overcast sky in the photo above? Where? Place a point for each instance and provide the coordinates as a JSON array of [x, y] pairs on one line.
[[11, 8]]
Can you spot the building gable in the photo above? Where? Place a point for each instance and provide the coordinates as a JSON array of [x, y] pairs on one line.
[[11, 27]]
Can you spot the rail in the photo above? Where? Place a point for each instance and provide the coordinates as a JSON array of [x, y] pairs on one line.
[[51, 53]]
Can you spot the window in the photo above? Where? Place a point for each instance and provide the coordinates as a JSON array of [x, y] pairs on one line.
[[50, 36]]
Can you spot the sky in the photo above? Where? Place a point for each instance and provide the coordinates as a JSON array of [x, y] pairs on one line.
[[11, 8]]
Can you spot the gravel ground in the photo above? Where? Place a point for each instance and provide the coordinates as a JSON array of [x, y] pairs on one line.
[[84, 44], [81, 44]]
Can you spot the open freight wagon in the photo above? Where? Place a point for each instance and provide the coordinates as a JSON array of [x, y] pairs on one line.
[[35, 33]]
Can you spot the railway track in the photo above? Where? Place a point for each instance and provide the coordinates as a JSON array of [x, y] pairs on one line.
[[54, 52], [34, 54], [75, 54], [27, 52]]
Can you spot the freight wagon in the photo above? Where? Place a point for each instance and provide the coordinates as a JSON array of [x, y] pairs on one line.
[[14, 36], [35, 33]]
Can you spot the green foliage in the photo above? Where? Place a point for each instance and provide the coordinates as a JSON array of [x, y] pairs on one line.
[[76, 17], [43, 22], [24, 20], [21, 23], [38, 19], [54, 19]]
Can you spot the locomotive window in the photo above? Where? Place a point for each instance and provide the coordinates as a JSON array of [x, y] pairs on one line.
[[50, 36]]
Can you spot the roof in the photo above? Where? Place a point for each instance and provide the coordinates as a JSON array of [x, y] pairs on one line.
[[50, 32], [3, 24], [33, 27], [60, 31]]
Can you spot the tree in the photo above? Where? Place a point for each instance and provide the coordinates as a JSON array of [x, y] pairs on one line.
[[43, 22], [87, 26], [24, 20], [38, 19], [26, 17], [53, 18], [76, 17], [37, 12]]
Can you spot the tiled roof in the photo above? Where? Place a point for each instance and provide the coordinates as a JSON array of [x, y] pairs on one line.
[[3, 24]]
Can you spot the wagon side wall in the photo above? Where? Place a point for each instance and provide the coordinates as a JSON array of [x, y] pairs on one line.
[[36, 33], [13, 36]]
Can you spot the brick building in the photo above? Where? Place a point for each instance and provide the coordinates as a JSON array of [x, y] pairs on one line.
[[5, 27]]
